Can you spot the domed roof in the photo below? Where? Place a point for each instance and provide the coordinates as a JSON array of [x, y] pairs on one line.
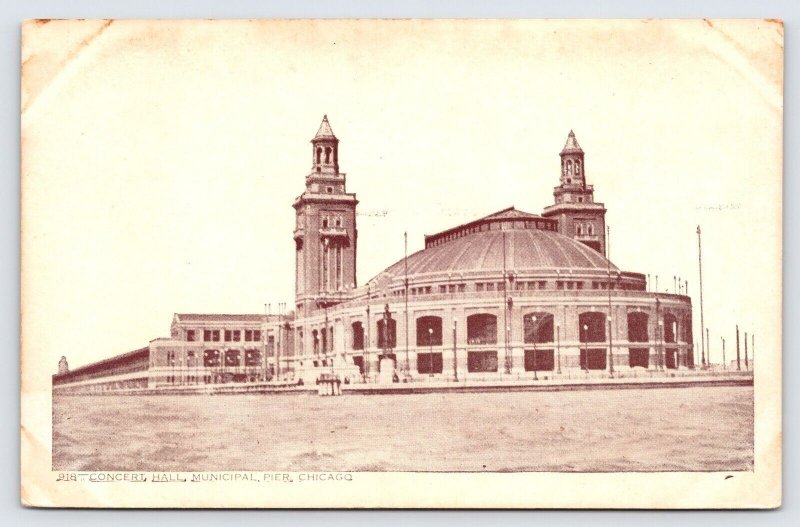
[[526, 249]]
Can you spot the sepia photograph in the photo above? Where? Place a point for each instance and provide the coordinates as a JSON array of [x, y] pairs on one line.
[[486, 263]]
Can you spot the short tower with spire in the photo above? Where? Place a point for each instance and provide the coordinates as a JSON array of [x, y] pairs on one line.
[[578, 215]]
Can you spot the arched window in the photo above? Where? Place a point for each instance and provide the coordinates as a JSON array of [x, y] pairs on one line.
[[482, 329], [538, 327], [579, 228], [592, 326], [327, 154], [569, 167], [637, 327], [315, 338], [319, 155], [358, 336], [577, 168], [590, 229], [392, 334], [429, 331], [670, 327]]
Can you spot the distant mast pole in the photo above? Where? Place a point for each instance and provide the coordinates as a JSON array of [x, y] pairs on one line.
[[505, 308], [405, 284], [608, 267], [702, 320]]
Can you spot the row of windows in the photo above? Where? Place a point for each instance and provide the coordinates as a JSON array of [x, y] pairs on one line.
[[493, 226], [538, 327], [580, 199], [544, 360], [214, 358], [521, 285], [326, 221], [569, 284], [568, 167], [231, 335], [584, 228], [530, 285]]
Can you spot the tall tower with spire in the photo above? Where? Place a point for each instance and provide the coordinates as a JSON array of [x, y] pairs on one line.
[[578, 215], [325, 232]]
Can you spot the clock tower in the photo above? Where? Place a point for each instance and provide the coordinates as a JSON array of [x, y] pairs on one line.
[[325, 232]]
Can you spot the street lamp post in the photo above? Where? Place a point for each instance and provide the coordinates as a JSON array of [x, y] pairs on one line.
[[724, 364], [585, 349], [677, 349], [430, 354], [455, 363], [702, 320], [558, 347], [368, 340], [535, 376], [746, 361]]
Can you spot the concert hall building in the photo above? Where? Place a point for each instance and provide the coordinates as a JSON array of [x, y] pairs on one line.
[[512, 295]]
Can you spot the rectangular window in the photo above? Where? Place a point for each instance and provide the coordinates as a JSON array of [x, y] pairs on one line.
[[559, 285], [481, 361], [190, 335], [358, 360], [452, 288], [479, 287], [442, 288], [490, 286], [206, 335], [248, 335], [462, 288], [237, 335], [257, 335], [570, 285], [543, 285], [639, 357], [543, 361], [429, 363], [579, 285], [228, 335], [597, 359], [215, 335]]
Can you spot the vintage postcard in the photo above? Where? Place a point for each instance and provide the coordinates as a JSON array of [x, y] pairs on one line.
[[401, 263]]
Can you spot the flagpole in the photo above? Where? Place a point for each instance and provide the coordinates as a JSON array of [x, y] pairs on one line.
[[405, 283]]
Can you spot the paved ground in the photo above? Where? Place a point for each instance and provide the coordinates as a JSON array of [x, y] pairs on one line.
[[598, 430]]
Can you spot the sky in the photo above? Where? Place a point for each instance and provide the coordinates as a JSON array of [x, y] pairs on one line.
[[160, 160]]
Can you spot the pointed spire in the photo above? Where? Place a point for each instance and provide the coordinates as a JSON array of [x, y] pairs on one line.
[[325, 131], [571, 144]]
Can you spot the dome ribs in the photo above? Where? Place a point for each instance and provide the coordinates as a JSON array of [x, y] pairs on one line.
[[482, 252], [457, 262]]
